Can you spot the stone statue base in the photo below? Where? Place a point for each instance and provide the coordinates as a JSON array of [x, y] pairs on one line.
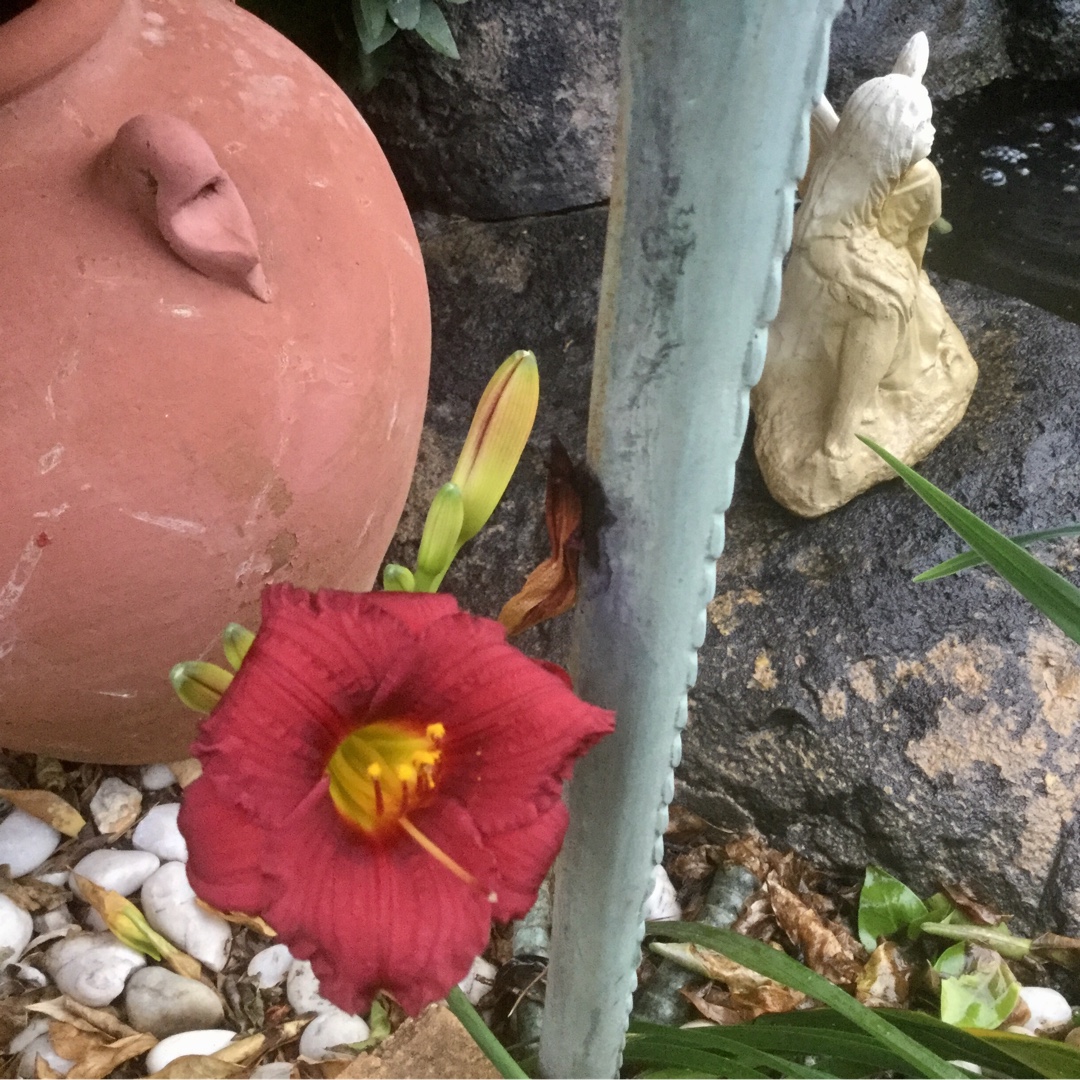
[[792, 410]]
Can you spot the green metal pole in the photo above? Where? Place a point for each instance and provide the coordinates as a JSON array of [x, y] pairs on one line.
[[713, 135]]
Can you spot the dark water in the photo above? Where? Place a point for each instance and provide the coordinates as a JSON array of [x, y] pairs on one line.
[[1009, 157]]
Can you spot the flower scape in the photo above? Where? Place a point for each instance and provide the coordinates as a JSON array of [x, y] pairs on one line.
[[381, 779]]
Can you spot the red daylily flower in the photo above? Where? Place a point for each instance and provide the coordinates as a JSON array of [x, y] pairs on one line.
[[380, 781]]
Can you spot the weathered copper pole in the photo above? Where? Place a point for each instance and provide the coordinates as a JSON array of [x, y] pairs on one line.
[[713, 135]]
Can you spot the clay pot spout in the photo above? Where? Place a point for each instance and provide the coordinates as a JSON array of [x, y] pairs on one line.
[[161, 167]]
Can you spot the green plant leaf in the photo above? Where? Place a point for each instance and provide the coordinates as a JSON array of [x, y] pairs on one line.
[[886, 905], [967, 559], [781, 967], [434, 29], [998, 938], [981, 998], [1042, 1057], [373, 28], [1056, 598], [953, 960], [404, 13], [939, 908], [472, 1022]]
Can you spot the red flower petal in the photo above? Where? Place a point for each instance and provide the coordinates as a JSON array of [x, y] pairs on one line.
[[522, 858]]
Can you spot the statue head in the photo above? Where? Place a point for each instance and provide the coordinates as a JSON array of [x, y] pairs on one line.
[[884, 129]]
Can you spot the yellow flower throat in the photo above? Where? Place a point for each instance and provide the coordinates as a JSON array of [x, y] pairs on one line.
[[383, 771]]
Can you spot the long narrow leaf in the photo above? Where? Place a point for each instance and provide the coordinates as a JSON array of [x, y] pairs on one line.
[[471, 1020], [781, 967], [686, 1057], [772, 1034], [967, 559], [1056, 598], [639, 1048], [1039, 1057]]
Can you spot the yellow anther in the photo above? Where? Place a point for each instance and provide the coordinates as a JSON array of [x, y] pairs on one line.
[[435, 731], [374, 770], [406, 774], [425, 758]]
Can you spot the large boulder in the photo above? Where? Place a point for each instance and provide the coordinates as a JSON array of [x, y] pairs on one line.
[[856, 716], [522, 124]]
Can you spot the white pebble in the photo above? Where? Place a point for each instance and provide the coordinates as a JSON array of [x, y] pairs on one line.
[[168, 902], [330, 1029], [53, 877], [203, 1042], [1049, 1010], [33, 1042], [157, 777], [30, 975], [302, 990], [478, 982], [25, 842], [16, 929], [92, 968], [56, 919], [662, 902], [159, 833], [121, 871], [115, 805], [273, 1070], [269, 966], [164, 1003]]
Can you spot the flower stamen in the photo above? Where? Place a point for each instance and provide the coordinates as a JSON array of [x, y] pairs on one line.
[[436, 852]]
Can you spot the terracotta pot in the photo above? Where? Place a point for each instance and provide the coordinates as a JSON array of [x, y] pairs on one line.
[[171, 442]]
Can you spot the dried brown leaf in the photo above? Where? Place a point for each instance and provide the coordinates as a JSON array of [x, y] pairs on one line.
[[48, 807], [551, 588], [979, 913], [827, 947], [95, 1056], [1058, 948], [94, 1021], [186, 771], [239, 918], [697, 864], [718, 1014], [885, 981], [44, 1071], [757, 919], [243, 1051], [31, 894], [684, 824], [198, 1067]]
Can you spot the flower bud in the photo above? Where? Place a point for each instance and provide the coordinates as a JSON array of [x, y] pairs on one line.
[[397, 578], [500, 428], [199, 685], [439, 543], [236, 640]]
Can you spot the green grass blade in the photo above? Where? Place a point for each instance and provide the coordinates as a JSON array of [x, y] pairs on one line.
[[473, 1023], [1056, 598], [674, 1056], [638, 1047], [1038, 1057], [967, 559], [781, 967]]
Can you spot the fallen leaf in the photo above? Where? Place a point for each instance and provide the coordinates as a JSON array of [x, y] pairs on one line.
[[242, 1051], [95, 1056], [44, 1071], [1058, 948], [979, 913], [76, 1014], [48, 807], [198, 1067], [239, 918], [828, 948], [697, 864], [551, 588], [186, 771], [30, 893], [718, 1014], [885, 981]]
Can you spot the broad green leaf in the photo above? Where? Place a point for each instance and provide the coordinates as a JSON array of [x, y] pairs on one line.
[[1056, 598], [369, 17], [886, 905], [967, 559], [982, 998], [404, 13], [781, 967], [939, 908], [434, 29], [378, 1025], [953, 960]]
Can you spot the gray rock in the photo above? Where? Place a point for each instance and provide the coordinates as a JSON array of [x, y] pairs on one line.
[[858, 717], [522, 124], [968, 43], [1046, 40], [92, 968], [164, 1003]]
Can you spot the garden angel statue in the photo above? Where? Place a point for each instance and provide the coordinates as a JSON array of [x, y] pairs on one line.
[[861, 344]]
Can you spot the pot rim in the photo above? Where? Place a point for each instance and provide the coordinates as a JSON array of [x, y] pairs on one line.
[[46, 38]]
